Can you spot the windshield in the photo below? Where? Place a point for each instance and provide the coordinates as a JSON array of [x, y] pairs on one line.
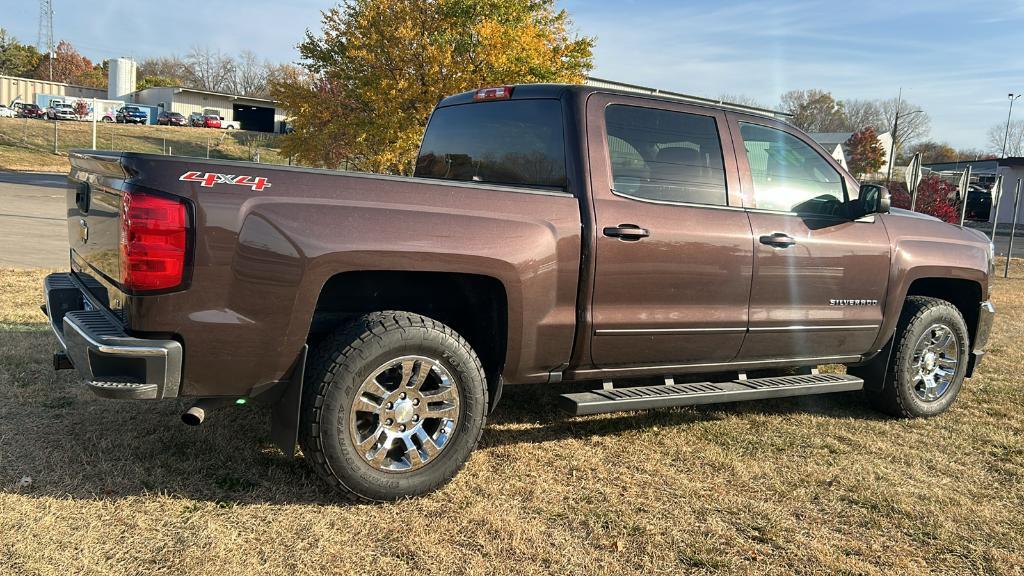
[[131, 109], [518, 142]]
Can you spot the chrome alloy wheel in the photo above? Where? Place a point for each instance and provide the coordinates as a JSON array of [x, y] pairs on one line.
[[404, 414], [935, 362]]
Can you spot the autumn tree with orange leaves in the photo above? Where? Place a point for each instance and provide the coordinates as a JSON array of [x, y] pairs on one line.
[[865, 154], [370, 79]]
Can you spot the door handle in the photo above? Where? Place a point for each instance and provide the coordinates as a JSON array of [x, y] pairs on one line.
[[778, 240], [628, 232]]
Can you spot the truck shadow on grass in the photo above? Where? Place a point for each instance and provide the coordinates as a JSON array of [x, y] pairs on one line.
[[75, 445]]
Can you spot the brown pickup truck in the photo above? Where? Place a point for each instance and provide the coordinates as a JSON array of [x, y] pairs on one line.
[[670, 253]]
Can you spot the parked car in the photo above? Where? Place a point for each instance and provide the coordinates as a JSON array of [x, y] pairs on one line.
[[210, 121], [25, 110], [131, 115], [979, 203], [61, 111], [550, 234], [171, 119], [195, 119], [229, 124], [6, 112]]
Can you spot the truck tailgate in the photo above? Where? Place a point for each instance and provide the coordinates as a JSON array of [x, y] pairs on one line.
[[94, 193]]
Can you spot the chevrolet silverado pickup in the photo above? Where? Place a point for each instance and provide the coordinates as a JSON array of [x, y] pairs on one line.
[[653, 253]]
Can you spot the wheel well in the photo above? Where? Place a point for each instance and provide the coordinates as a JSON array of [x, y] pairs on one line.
[[474, 306], [964, 294]]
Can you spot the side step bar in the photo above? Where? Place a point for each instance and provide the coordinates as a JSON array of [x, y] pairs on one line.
[[669, 395]]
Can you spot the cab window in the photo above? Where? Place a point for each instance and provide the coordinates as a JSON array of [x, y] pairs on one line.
[[789, 175], [665, 156]]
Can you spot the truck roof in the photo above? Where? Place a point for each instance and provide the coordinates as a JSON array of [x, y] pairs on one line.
[[527, 91]]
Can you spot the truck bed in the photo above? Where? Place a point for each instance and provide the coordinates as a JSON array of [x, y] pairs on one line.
[[265, 240]]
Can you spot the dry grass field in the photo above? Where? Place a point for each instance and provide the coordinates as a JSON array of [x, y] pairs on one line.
[[807, 486], [27, 144]]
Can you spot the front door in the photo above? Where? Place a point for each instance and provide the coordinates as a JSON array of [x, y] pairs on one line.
[[820, 276], [673, 249]]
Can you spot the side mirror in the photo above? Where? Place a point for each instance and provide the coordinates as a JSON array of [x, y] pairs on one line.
[[875, 199]]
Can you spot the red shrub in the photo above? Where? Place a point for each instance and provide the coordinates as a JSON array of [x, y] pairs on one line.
[[935, 196]]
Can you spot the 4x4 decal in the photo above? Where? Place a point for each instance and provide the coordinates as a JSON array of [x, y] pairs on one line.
[[208, 179]]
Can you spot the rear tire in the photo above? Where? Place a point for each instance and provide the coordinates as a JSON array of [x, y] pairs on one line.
[[393, 405], [929, 360]]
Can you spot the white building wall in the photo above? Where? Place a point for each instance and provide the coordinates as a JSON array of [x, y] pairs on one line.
[[1010, 175], [885, 138], [840, 156]]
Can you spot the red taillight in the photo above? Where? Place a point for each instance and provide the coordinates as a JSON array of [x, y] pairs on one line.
[[154, 233], [499, 93]]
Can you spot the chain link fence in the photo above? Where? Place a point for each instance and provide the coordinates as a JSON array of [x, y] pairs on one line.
[[48, 141]]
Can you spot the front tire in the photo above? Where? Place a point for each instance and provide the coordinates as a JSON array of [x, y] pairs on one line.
[[393, 405], [929, 360]]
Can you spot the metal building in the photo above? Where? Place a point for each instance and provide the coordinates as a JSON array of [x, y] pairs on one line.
[[25, 90], [259, 114]]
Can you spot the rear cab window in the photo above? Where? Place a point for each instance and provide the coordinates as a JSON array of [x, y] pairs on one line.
[[665, 156], [511, 142]]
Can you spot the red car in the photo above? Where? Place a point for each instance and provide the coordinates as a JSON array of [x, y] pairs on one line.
[[211, 121], [29, 110], [171, 119]]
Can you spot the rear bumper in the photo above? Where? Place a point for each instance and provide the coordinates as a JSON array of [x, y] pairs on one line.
[[986, 314], [113, 364]]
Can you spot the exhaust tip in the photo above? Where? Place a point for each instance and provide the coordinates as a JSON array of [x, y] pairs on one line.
[[194, 416]]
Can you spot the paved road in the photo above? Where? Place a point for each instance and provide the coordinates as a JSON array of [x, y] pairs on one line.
[[1003, 241], [33, 225]]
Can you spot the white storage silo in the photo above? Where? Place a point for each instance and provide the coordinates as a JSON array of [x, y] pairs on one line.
[[121, 79]]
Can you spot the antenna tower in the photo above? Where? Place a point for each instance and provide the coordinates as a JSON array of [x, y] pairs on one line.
[[44, 41]]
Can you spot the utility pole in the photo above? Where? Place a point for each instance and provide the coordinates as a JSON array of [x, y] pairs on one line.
[[1006, 135], [895, 130], [895, 127]]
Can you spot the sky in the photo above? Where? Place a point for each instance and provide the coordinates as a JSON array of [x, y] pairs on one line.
[[955, 59]]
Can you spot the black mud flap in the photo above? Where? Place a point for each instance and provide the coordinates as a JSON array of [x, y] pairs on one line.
[[284, 416], [873, 371]]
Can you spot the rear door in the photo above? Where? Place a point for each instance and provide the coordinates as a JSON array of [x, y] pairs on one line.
[[820, 277], [673, 249]]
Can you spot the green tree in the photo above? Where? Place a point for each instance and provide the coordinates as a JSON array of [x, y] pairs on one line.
[[16, 59], [814, 110], [156, 81], [371, 78], [865, 154]]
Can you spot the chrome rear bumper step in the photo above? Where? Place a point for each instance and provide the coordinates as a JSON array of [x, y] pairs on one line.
[[113, 363], [670, 395]]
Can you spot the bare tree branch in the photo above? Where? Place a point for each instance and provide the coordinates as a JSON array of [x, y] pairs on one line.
[[1014, 140], [862, 114], [914, 124]]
